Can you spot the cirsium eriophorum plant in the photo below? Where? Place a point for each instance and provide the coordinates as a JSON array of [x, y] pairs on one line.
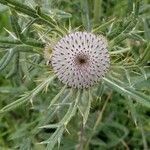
[[69, 101]]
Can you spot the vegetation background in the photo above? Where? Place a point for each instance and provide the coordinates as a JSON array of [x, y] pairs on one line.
[[116, 113]]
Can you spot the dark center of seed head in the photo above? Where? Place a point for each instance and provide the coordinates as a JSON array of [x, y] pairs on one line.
[[81, 59]]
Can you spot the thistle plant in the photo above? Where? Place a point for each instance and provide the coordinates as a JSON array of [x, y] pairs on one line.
[[74, 75]]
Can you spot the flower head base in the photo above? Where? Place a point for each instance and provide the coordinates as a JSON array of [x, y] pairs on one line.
[[80, 59]]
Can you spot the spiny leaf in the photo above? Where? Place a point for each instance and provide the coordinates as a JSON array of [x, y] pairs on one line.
[[132, 109], [57, 96], [15, 25], [27, 96], [71, 111], [49, 114], [54, 138], [145, 57], [15, 65], [29, 11], [7, 58], [87, 110], [10, 54], [127, 91], [85, 105], [103, 26], [113, 136], [51, 126], [6, 40]]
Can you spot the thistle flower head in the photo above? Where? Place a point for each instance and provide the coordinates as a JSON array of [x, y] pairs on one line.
[[80, 59]]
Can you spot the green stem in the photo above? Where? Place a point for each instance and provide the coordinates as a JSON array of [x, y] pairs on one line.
[[81, 136], [98, 120], [85, 14], [97, 10]]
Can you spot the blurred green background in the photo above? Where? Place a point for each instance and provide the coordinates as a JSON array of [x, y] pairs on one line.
[[124, 124]]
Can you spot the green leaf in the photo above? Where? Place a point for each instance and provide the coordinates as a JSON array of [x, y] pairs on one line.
[[29, 11], [7, 58], [51, 142], [55, 138], [127, 91], [87, 110], [7, 40], [51, 126], [103, 26], [145, 57], [57, 96], [113, 138], [85, 105], [49, 113], [132, 109], [71, 111], [28, 96], [10, 55], [15, 26]]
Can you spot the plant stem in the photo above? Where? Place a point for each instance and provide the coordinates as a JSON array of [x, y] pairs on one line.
[[81, 136], [99, 118], [97, 10], [85, 14]]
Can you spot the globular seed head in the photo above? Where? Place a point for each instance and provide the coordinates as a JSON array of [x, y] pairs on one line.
[[80, 59]]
